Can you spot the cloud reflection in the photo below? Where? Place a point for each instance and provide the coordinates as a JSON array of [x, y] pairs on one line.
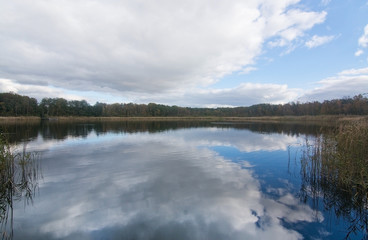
[[244, 140], [156, 186]]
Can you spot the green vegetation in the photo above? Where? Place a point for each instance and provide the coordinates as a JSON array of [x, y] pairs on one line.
[[12, 104], [335, 167], [16, 105], [19, 173]]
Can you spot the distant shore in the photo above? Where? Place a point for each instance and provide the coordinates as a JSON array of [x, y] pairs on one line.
[[266, 119]]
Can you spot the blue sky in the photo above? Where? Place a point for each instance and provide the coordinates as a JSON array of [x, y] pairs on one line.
[[188, 53]]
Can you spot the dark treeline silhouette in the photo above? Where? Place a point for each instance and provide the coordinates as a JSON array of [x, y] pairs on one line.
[[16, 105], [12, 104]]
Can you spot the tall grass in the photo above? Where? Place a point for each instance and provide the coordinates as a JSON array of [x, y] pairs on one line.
[[335, 169], [352, 151], [19, 173]]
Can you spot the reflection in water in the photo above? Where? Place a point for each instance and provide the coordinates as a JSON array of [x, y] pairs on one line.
[[19, 179], [169, 180], [335, 168], [171, 190], [64, 129], [61, 130]]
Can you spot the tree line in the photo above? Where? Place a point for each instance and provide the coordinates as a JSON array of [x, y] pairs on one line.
[[12, 104]]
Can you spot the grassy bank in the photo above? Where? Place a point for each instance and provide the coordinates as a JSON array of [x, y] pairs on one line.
[[300, 119], [19, 119], [325, 119]]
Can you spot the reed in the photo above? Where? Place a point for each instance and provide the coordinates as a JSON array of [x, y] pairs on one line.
[[19, 119], [334, 166], [19, 173], [320, 119], [352, 153]]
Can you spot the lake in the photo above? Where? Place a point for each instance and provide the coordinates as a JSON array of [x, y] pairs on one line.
[[173, 180]]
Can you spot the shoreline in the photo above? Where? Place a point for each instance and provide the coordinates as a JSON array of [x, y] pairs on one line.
[[265, 119]]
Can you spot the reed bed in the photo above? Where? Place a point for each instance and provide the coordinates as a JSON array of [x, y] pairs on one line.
[[334, 167], [320, 119], [19, 173], [19, 119]]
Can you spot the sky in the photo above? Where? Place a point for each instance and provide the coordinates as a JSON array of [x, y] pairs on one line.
[[192, 53]]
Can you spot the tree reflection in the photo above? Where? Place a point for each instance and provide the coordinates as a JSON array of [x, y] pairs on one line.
[[334, 167], [60, 130], [19, 173]]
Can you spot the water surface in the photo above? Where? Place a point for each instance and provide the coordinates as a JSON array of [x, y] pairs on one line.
[[171, 180]]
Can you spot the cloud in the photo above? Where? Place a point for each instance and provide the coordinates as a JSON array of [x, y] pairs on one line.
[[363, 40], [248, 70], [40, 91], [359, 71], [359, 52], [37, 91], [318, 41], [244, 141], [297, 22], [127, 46], [347, 83], [202, 194], [245, 94], [325, 2]]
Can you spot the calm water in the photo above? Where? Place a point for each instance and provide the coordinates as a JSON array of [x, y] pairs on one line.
[[170, 181]]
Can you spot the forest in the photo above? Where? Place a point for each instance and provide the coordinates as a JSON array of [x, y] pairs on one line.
[[12, 104]]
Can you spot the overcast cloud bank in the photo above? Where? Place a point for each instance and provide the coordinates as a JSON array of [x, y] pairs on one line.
[[169, 52]]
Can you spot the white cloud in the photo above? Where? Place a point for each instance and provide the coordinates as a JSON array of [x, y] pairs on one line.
[[359, 71], [244, 141], [245, 94], [248, 70], [316, 41], [36, 91], [147, 48], [325, 2], [363, 40], [297, 23], [359, 52], [8, 85], [347, 83]]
